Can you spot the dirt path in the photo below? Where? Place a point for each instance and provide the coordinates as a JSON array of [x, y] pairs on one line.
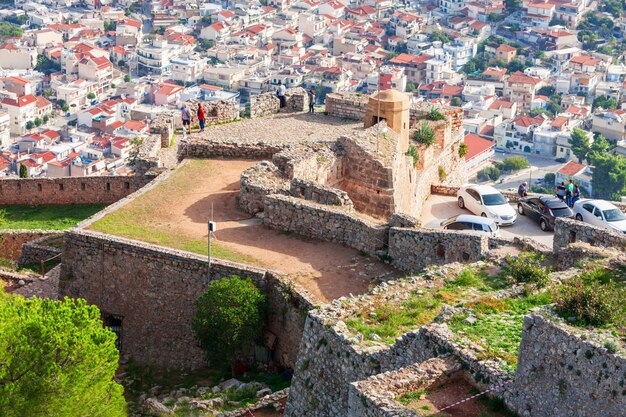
[[327, 270]]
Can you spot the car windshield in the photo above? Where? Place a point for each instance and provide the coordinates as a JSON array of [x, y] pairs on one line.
[[561, 211], [493, 199], [614, 215]]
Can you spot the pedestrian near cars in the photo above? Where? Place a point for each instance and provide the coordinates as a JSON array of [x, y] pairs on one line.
[[311, 100], [569, 193], [560, 191], [575, 195], [522, 191], [200, 114]]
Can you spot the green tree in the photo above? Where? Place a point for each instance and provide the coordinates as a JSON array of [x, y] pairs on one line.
[[410, 87], [204, 44], [604, 102], [46, 118], [56, 359], [30, 125], [127, 78], [110, 25], [23, 173], [46, 65], [438, 35], [425, 134], [515, 65], [580, 144], [609, 176], [456, 101], [47, 92], [546, 90], [494, 17], [65, 107], [550, 179], [9, 31], [491, 172], [38, 121], [91, 96], [599, 145], [121, 63], [229, 315], [515, 163]]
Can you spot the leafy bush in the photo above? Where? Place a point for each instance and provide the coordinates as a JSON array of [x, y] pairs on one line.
[[515, 163], [489, 173], [434, 114], [550, 179], [412, 152], [442, 174], [228, 316], [462, 149], [590, 304], [526, 268], [425, 134]]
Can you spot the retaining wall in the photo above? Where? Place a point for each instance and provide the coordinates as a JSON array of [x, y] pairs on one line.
[[198, 148], [257, 182], [153, 289], [12, 241], [414, 249], [559, 374], [38, 250], [66, 190], [296, 100], [322, 194], [221, 111], [568, 231], [327, 223], [347, 105]]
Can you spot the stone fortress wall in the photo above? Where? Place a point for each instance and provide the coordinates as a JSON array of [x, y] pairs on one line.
[[14, 243]]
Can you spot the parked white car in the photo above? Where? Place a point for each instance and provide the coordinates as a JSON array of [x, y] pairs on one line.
[[486, 201], [470, 223], [600, 213]]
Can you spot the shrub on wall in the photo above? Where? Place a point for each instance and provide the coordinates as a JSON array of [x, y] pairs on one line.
[[526, 268], [442, 174], [434, 114], [425, 134], [412, 152], [229, 316], [462, 149]]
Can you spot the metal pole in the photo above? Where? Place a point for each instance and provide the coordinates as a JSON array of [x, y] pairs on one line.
[[378, 112]]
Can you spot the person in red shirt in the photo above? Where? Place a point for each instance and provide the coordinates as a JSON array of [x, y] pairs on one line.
[[201, 117]]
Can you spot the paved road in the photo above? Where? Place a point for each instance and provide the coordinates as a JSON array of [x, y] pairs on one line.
[[438, 208], [539, 167]]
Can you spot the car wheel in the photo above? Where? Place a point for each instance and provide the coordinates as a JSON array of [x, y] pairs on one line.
[[543, 225], [579, 217], [520, 209], [461, 202], [483, 214]]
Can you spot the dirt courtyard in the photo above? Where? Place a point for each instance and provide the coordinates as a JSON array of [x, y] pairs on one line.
[[175, 214]]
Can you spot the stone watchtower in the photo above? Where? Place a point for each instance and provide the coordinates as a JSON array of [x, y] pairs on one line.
[[393, 107]]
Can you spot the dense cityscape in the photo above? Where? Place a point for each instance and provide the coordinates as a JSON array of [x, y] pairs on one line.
[[320, 208]]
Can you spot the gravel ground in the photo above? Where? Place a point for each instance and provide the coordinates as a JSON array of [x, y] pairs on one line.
[[283, 128]]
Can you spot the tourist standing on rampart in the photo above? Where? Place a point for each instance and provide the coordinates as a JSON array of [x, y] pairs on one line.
[[201, 117], [281, 94]]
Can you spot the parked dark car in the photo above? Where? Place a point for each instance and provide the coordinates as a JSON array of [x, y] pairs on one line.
[[544, 210]]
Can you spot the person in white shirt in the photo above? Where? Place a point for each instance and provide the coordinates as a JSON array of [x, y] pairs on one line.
[[281, 94]]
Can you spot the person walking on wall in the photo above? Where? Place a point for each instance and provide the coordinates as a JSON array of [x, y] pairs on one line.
[[201, 116], [281, 93], [186, 117], [569, 192], [311, 100]]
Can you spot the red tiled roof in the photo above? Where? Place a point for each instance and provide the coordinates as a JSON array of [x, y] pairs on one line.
[[571, 168], [21, 101], [476, 145]]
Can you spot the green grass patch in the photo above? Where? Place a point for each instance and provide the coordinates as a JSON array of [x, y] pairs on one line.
[[498, 326], [46, 217], [408, 397], [473, 277], [143, 218], [389, 321]]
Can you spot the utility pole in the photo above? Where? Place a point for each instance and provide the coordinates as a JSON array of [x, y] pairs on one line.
[[212, 227]]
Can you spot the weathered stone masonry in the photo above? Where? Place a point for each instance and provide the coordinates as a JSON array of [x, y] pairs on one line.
[[12, 241], [67, 190], [153, 289]]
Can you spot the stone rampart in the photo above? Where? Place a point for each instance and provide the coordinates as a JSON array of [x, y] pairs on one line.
[[12, 241], [322, 194], [568, 231], [66, 190], [221, 111], [257, 182], [40, 250], [414, 249], [327, 223], [347, 105], [560, 374], [296, 100], [264, 104], [153, 289], [198, 148]]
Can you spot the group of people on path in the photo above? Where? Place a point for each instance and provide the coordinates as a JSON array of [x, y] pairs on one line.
[[186, 116], [570, 192], [186, 112]]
